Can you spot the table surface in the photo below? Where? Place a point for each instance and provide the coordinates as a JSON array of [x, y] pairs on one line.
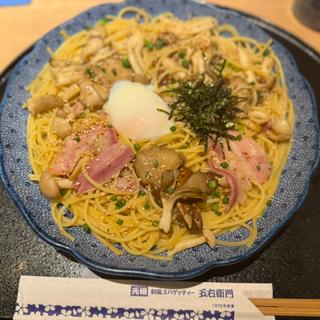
[[293, 270], [22, 25]]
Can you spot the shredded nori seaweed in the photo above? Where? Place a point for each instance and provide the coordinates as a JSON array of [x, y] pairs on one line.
[[206, 105]]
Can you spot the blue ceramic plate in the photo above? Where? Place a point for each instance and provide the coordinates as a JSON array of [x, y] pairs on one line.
[[291, 192]]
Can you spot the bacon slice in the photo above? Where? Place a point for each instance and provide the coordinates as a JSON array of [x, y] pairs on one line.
[[106, 165], [75, 146]]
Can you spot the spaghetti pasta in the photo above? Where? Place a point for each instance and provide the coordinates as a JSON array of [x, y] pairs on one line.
[[164, 50]]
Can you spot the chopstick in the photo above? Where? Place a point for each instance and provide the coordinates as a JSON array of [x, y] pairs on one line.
[[288, 307]]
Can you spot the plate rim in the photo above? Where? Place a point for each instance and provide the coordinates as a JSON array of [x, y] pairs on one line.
[[99, 267]]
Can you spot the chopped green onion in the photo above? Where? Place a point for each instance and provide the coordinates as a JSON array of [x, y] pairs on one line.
[[103, 69], [269, 202], [173, 128], [215, 206], [141, 193], [266, 52], [137, 146], [185, 63], [224, 165], [119, 222], [89, 73], [63, 191], [182, 54], [258, 167], [114, 198], [77, 139], [218, 213], [126, 63], [86, 228], [212, 184], [215, 194], [148, 44], [225, 200], [103, 21], [159, 43], [155, 223], [146, 206], [120, 203], [239, 137], [82, 114]]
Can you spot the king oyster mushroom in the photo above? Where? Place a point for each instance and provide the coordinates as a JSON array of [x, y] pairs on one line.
[[162, 168]]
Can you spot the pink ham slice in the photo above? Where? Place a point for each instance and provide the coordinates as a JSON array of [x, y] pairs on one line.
[[105, 166], [252, 158], [246, 158], [93, 141]]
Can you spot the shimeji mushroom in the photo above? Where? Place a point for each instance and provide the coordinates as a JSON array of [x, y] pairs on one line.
[[50, 185]]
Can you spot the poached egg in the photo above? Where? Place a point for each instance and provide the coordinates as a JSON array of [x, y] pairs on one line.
[[132, 107]]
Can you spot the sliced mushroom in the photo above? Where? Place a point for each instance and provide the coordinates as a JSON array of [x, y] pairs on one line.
[[242, 89], [198, 63], [70, 92], [190, 214], [266, 85], [135, 47], [61, 127], [66, 75], [92, 95], [151, 163], [194, 188], [93, 45], [103, 53], [41, 104], [237, 83]]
